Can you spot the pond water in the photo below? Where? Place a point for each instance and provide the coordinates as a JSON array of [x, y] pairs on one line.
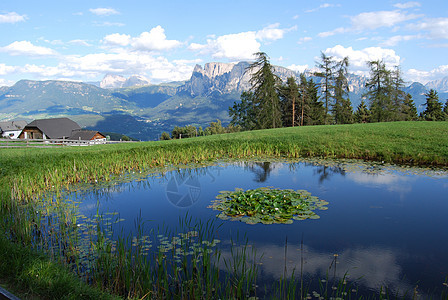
[[387, 225]]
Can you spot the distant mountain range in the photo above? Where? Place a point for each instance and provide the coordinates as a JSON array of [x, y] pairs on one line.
[[134, 107]]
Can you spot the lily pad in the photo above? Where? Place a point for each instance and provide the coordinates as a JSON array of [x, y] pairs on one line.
[[267, 205]]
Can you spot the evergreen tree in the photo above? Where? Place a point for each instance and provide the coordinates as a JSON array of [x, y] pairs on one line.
[[362, 114], [445, 109], [398, 96], [378, 87], [342, 108], [289, 95], [433, 111], [264, 87], [409, 111], [243, 113], [303, 103], [316, 112], [326, 72]]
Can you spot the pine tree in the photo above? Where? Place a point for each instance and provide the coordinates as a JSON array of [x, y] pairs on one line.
[[378, 87], [409, 111], [316, 112], [342, 108], [445, 109], [397, 94], [264, 87], [327, 67], [362, 114], [433, 111], [303, 103], [289, 95]]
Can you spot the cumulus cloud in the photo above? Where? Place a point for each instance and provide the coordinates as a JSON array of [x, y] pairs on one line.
[[154, 40], [26, 48], [407, 5], [6, 70], [359, 58], [12, 17], [117, 39], [239, 46], [102, 11]]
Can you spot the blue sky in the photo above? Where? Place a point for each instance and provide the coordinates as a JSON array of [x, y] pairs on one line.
[[163, 40]]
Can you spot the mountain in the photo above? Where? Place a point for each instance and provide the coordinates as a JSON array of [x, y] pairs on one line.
[[111, 81], [440, 85], [138, 109]]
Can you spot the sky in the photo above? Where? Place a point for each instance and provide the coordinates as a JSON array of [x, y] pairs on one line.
[[163, 40]]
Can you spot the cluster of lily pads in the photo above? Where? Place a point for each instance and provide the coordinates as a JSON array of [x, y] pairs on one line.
[[267, 205]]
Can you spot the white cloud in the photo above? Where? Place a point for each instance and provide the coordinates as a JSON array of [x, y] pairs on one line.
[[436, 27], [424, 77], [298, 68], [322, 6], [272, 32], [80, 43], [154, 40], [407, 5], [117, 39], [394, 40], [338, 30], [304, 39], [27, 49], [6, 70], [374, 20], [239, 46], [12, 17], [359, 58], [102, 11], [108, 24]]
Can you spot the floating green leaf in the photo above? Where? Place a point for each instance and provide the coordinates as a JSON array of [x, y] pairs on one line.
[[267, 205]]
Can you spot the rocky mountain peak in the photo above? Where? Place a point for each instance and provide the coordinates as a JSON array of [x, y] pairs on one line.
[[111, 81]]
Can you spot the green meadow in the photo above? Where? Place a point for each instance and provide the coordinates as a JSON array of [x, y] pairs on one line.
[[27, 173]]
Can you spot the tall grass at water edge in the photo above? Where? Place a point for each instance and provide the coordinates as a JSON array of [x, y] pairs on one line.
[[27, 173]]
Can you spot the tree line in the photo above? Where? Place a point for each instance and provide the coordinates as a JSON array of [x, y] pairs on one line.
[[271, 103]]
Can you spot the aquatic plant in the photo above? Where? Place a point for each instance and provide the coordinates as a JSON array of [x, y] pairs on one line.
[[267, 205]]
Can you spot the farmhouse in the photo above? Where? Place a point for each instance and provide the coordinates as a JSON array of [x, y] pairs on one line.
[[91, 136], [11, 129], [57, 128]]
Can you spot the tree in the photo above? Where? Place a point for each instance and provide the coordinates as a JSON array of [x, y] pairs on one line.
[[265, 97], [409, 111], [165, 136], [433, 110], [445, 109], [326, 67], [398, 96], [342, 108], [378, 87], [362, 114], [316, 110], [303, 105], [289, 95], [243, 113]]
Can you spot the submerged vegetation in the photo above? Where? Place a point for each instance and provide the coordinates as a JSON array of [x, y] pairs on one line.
[[180, 264], [267, 206]]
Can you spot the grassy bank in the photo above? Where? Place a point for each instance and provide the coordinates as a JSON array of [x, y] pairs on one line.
[[26, 173]]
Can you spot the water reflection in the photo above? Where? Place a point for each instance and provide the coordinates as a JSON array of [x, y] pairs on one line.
[[372, 244]]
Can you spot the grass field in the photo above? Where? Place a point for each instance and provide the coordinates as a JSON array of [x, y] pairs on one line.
[[26, 173]]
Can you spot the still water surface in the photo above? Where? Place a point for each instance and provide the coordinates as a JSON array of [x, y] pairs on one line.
[[389, 226]]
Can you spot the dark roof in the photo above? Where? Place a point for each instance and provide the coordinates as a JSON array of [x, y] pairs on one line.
[[56, 128], [84, 135], [12, 125]]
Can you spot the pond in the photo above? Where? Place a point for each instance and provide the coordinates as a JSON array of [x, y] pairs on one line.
[[384, 226]]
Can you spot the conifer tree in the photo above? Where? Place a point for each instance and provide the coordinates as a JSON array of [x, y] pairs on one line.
[[378, 93], [398, 96], [342, 108], [303, 103], [289, 95], [409, 111], [243, 113], [316, 109], [362, 114], [326, 72], [433, 110], [264, 87]]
